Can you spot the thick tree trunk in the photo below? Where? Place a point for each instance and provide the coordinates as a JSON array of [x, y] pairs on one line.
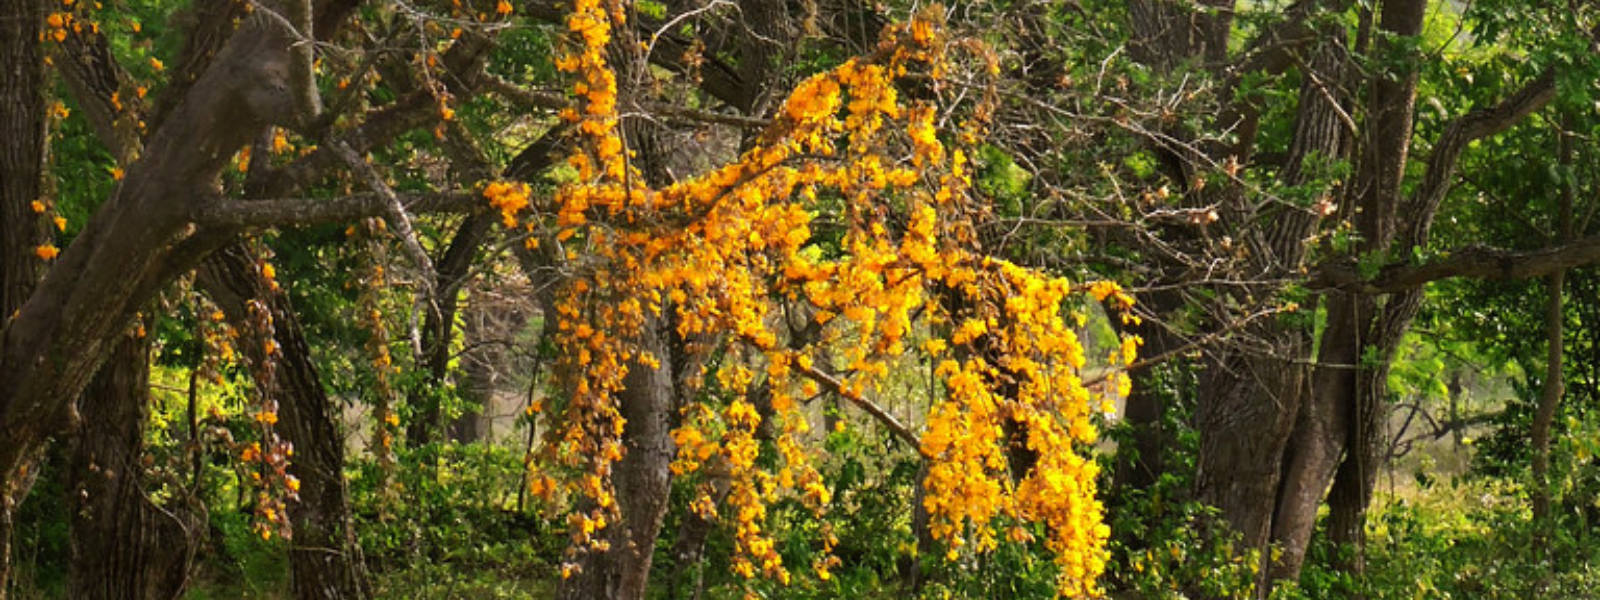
[[125, 546], [140, 239], [1366, 434], [1381, 171], [642, 478], [325, 561], [1279, 385], [1319, 441], [1168, 33], [22, 122], [1246, 411]]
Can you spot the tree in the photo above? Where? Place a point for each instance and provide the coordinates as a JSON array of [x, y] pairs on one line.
[[1265, 200], [643, 255], [908, 264], [21, 166]]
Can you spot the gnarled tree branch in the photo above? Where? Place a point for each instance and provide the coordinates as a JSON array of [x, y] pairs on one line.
[[1475, 261]]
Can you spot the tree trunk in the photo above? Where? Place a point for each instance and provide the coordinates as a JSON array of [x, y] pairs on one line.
[[1366, 440], [1246, 411], [1168, 33], [140, 239], [325, 561], [438, 330], [124, 544], [22, 122], [642, 478], [1319, 439], [1554, 380], [1379, 177]]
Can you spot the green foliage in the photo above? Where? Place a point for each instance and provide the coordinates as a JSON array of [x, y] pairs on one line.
[[457, 505], [40, 543], [1467, 540], [242, 562]]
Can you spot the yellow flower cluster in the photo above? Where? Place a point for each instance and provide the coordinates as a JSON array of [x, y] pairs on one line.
[[729, 251], [508, 198]]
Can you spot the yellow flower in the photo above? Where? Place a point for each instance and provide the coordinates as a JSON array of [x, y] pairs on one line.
[[1130, 348], [1102, 289], [46, 252], [280, 142]]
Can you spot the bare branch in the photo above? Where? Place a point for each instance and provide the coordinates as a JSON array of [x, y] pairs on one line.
[[1476, 261], [833, 384], [280, 212], [395, 210], [534, 99]]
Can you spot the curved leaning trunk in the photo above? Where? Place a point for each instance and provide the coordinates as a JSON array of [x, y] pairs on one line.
[[1319, 439], [137, 242]]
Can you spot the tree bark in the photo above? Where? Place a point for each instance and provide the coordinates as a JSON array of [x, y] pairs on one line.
[[1317, 443], [125, 546], [140, 239], [22, 126], [642, 479], [1379, 176], [1245, 415], [325, 561], [1168, 33]]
